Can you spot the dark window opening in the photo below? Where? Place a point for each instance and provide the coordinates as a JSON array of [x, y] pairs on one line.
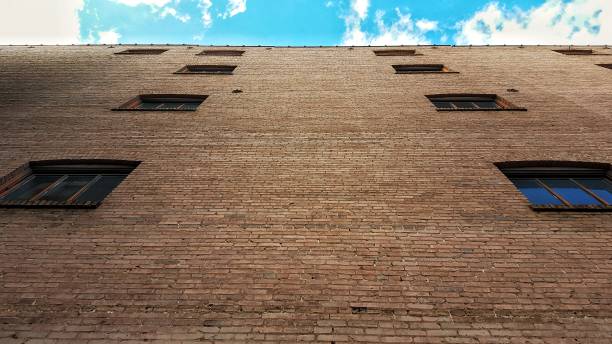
[[563, 187], [206, 69], [70, 183], [222, 52], [396, 52], [578, 52], [470, 102], [606, 65], [163, 102], [421, 68], [142, 52]]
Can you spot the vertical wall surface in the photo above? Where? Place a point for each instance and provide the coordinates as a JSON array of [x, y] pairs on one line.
[[328, 202]]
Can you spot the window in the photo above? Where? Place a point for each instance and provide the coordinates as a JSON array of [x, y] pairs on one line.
[[396, 52], [575, 51], [578, 52], [142, 52], [63, 183], [606, 65], [562, 186], [222, 52], [163, 102], [421, 68], [206, 69], [471, 102]]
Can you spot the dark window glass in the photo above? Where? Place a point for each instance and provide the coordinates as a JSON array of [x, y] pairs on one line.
[[599, 186], [487, 104], [535, 192], [148, 106], [443, 105], [418, 68], [101, 188], [170, 106], [465, 105], [67, 188], [571, 192], [190, 106], [31, 188]]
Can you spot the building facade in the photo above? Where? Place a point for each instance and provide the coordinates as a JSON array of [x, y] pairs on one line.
[[329, 195]]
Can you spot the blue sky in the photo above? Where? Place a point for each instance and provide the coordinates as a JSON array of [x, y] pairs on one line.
[[307, 22]]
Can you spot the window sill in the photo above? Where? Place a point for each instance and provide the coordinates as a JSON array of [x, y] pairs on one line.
[[462, 110], [586, 208], [205, 73], [147, 110], [49, 204], [439, 72]]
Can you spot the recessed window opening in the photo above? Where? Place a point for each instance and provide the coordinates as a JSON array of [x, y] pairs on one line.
[[83, 183], [222, 52], [470, 102], [142, 52], [420, 68], [396, 52], [206, 69], [163, 102], [606, 65], [577, 52], [563, 187]]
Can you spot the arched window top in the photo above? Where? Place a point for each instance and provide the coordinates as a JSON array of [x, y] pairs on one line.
[[562, 185], [63, 183]]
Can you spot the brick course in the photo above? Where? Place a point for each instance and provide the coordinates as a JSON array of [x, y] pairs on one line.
[[328, 202]]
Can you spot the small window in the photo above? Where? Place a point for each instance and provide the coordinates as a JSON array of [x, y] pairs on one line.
[[606, 65], [396, 52], [421, 68], [222, 52], [142, 52], [563, 187], [206, 69], [471, 102], [63, 183], [578, 52], [163, 102]]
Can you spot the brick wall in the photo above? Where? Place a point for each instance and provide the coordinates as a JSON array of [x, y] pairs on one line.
[[328, 202]]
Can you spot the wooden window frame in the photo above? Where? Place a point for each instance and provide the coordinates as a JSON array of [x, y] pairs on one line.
[[396, 52], [221, 52], [66, 168], [132, 104], [213, 69], [536, 170], [440, 69], [503, 104], [143, 51]]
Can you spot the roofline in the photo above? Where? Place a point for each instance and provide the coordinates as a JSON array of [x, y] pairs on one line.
[[605, 46]]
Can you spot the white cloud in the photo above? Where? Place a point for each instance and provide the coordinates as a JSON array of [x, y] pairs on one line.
[[361, 8], [554, 22], [205, 5], [169, 11], [403, 31], [108, 37], [235, 7], [40, 22], [154, 3], [427, 25]]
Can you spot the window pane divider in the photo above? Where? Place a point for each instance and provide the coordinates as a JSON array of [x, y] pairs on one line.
[[553, 193], [83, 189], [49, 188], [592, 194]]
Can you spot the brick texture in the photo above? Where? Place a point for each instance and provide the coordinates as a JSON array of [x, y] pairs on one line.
[[328, 202]]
